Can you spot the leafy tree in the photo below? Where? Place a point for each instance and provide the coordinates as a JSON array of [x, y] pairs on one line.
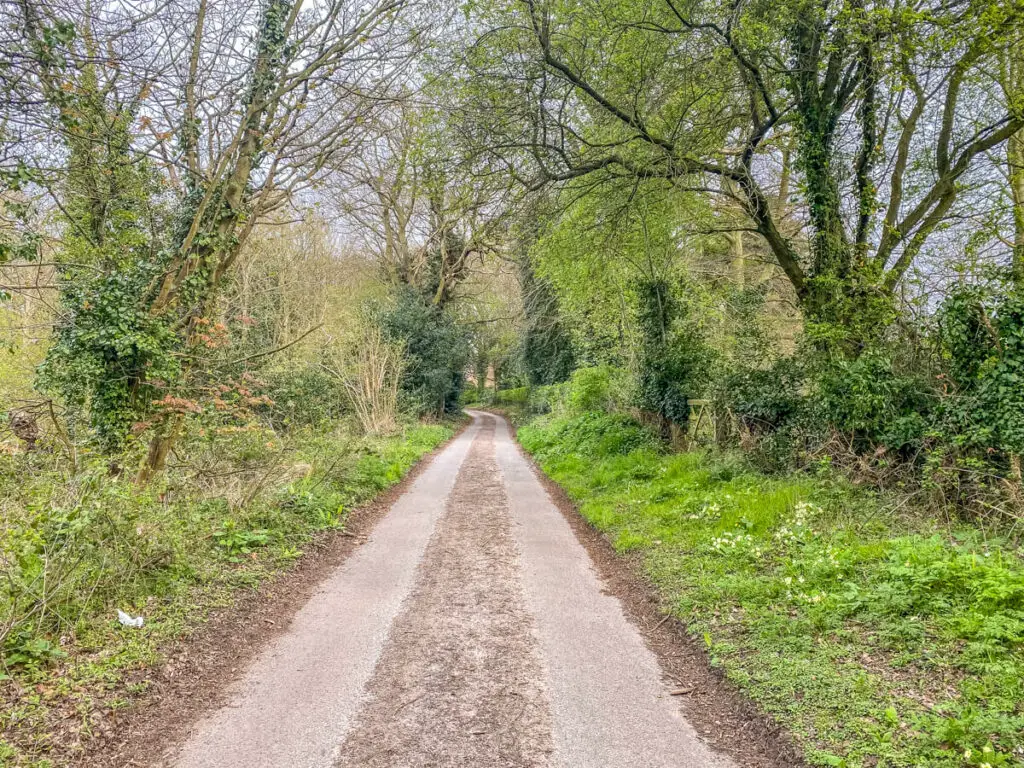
[[702, 95], [547, 353], [673, 360], [110, 356], [436, 351]]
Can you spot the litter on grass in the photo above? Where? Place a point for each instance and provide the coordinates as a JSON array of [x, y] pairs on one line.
[[128, 620]]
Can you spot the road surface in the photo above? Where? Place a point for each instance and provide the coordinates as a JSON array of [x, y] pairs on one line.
[[470, 630]]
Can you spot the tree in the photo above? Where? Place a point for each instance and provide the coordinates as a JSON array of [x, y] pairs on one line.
[[546, 350], [1012, 81], [236, 108], [704, 96], [547, 353], [427, 210], [435, 347]]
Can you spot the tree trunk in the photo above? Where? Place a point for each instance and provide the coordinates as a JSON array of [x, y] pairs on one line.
[[159, 448], [1015, 169]]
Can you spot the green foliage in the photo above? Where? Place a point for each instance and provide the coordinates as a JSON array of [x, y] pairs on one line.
[[764, 399], [517, 396], [674, 359], [110, 357], [596, 434], [876, 639], [19, 237], [29, 651], [235, 541], [547, 354], [436, 351], [871, 400], [599, 388], [73, 551], [321, 504], [303, 394], [982, 339]]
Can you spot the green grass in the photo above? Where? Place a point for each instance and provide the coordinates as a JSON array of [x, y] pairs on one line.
[[73, 549], [876, 638]]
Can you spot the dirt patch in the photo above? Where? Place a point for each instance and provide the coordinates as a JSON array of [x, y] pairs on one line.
[[199, 668], [719, 712], [459, 682]]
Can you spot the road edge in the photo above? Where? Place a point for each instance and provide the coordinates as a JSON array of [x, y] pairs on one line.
[[722, 714], [197, 670]]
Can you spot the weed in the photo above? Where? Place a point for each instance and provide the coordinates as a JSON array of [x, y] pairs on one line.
[[235, 542]]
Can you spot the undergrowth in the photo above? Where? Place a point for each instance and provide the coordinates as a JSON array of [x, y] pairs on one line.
[[876, 636], [74, 550]]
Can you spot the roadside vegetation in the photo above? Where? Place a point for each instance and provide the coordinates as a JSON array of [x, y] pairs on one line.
[[77, 550], [875, 633], [254, 257]]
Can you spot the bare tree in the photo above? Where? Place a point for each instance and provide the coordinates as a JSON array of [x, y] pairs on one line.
[[424, 206]]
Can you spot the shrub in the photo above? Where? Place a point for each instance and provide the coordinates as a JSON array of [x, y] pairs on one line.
[[876, 404], [982, 340], [517, 396], [303, 395], [591, 434], [436, 351], [600, 388], [764, 399]]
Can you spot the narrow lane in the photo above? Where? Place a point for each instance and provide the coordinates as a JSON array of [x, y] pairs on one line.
[[470, 630], [610, 706], [294, 705], [460, 681]]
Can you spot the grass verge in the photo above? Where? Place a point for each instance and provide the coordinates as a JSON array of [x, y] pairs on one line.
[[73, 550], [877, 637]]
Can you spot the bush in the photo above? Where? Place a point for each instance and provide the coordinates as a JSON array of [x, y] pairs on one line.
[[549, 399], [600, 388], [304, 395], [518, 396], [763, 400], [876, 404], [982, 340], [436, 351], [592, 434], [471, 396]]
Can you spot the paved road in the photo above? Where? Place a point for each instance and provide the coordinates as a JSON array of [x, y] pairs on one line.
[[470, 630]]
